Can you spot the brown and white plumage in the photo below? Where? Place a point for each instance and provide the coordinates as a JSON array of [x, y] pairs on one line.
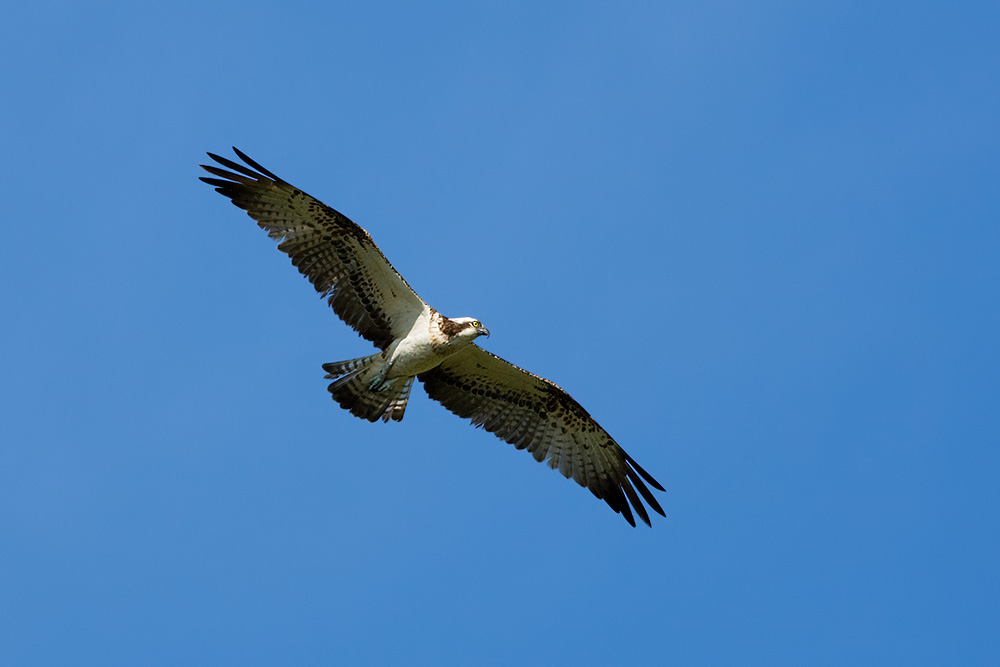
[[339, 257], [533, 413], [343, 263]]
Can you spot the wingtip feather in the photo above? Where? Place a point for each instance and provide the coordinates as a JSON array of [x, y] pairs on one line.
[[645, 475], [245, 158], [636, 503]]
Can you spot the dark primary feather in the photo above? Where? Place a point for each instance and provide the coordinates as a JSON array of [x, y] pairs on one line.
[[339, 257], [533, 413]]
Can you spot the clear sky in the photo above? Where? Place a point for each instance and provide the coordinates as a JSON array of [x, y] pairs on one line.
[[757, 241]]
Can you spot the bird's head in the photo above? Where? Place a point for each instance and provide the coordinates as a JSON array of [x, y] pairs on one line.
[[468, 328]]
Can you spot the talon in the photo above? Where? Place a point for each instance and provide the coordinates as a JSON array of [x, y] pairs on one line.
[[378, 382]]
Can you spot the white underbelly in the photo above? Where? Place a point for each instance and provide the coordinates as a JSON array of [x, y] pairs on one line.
[[412, 357], [415, 353]]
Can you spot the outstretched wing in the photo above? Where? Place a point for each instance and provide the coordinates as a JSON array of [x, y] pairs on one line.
[[337, 256], [534, 414]]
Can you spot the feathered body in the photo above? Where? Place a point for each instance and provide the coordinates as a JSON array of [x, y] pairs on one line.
[[416, 342], [378, 386]]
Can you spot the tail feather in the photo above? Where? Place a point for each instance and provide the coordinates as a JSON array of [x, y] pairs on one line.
[[337, 368], [397, 405], [351, 389]]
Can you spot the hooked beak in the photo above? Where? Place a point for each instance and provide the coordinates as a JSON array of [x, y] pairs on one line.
[[483, 331]]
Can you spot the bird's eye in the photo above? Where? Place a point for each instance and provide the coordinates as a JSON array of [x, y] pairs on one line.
[[476, 323]]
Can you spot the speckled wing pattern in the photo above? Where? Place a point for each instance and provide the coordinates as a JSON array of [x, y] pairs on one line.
[[337, 256], [533, 413]]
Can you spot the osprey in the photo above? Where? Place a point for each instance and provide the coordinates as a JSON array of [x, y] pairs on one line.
[[417, 342]]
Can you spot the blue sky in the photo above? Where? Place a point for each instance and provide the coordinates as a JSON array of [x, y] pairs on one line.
[[758, 242]]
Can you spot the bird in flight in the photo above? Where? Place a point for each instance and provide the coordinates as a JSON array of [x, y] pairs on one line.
[[415, 341]]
